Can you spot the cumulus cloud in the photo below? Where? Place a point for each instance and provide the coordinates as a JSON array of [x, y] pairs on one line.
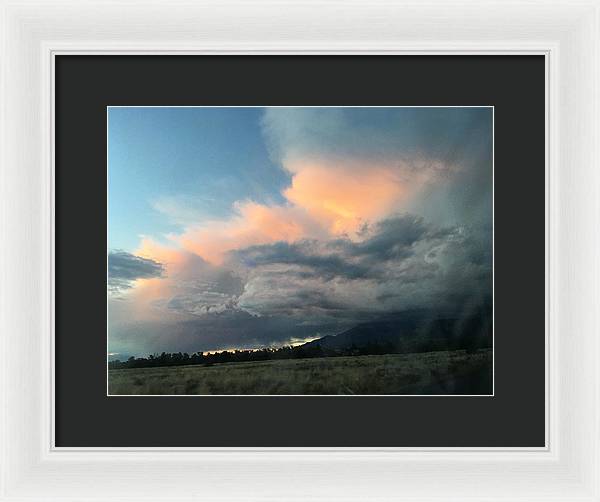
[[192, 285], [125, 268]]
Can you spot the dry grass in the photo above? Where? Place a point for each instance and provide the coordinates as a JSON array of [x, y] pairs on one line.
[[452, 372]]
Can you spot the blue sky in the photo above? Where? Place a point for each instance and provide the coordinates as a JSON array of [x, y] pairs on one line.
[[167, 165]]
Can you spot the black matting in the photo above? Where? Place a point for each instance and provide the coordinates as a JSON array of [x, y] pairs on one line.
[[85, 85]]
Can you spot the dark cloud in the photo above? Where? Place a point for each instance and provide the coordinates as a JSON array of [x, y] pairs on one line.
[[303, 257], [402, 263], [226, 330], [391, 239], [124, 268]]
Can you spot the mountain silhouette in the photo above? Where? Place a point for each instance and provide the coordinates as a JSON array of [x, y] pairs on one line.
[[411, 333]]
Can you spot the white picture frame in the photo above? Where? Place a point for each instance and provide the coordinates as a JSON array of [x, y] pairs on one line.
[[567, 33]]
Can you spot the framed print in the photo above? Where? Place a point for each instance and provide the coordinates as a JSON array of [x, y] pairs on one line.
[[249, 244]]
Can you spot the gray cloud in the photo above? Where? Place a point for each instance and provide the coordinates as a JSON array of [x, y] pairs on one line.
[[392, 238], [124, 268], [402, 263], [226, 330], [301, 257], [448, 134], [395, 238]]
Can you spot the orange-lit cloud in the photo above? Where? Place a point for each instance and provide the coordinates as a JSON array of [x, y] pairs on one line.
[[189, 285], [344, 199], [147, 292], [170, 257], [253, 224], [325, 199]]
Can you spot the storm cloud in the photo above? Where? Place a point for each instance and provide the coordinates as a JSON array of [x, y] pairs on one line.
[[124, 268], [402, 263], [232, 329]]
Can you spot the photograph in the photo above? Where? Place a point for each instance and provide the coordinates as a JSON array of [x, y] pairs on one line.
[[300, 251]]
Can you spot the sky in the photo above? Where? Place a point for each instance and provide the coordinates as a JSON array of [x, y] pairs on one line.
[[235, 228]]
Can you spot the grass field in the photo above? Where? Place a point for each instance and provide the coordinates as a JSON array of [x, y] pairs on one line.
[[452, 372]]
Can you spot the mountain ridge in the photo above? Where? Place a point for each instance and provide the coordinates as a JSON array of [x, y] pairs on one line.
[[410, 334]]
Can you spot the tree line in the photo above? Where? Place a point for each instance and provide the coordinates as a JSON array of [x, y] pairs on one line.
[[237, 356]]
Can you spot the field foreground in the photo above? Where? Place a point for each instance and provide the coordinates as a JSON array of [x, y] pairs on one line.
[[443, 372]]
